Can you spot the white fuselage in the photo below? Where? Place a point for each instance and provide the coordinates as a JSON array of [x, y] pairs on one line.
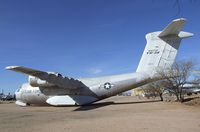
[[97, 89]]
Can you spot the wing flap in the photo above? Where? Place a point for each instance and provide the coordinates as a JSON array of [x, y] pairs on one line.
[[52, 78]]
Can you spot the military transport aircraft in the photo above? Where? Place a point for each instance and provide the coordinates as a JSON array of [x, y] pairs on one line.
[[58, 90]]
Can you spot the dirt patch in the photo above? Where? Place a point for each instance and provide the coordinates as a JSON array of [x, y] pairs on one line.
[[6, 102], [115, 114], [193, 102]]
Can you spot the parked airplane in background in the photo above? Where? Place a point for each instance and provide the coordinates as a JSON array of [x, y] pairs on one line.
[[57, 90], [7, 97], [189, 88]]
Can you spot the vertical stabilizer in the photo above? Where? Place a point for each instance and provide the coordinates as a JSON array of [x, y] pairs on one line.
[[162, 46]]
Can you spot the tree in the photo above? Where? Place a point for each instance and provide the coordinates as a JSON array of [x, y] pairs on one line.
[[154, 88], [176, 77]]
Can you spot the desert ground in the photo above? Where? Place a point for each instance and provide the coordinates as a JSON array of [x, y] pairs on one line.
[[116, 114]]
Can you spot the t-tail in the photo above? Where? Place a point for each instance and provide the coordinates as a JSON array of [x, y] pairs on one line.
[[162, 46]]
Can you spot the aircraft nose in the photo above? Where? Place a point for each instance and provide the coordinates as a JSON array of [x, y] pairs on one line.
[[18, 95]]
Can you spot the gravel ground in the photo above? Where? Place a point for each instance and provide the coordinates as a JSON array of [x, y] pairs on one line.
[[117, 114]]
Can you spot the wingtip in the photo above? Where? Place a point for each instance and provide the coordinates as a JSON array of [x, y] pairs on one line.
[[180, 19], [183, 34], [11, 67]]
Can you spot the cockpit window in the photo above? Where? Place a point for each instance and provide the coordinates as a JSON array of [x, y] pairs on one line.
[[18, 90]]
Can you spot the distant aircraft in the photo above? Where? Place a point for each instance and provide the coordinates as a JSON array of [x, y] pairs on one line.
[[188, 89], [6, 97], [191, 88], [57, 90]]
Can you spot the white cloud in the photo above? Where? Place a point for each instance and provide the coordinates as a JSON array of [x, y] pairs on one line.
[[95, 70]]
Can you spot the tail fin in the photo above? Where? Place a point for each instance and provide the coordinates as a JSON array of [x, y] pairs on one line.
[[162, 46]]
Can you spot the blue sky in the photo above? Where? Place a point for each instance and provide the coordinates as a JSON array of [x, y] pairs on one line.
[[86, 38]]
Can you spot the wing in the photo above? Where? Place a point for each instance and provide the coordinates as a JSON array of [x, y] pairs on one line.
[[52, 78]]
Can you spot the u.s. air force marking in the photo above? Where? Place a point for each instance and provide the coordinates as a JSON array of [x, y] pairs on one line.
[[107, 85]]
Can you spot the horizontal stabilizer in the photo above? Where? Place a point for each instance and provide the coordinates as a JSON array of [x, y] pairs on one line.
[[185, 34], [174, 28]]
